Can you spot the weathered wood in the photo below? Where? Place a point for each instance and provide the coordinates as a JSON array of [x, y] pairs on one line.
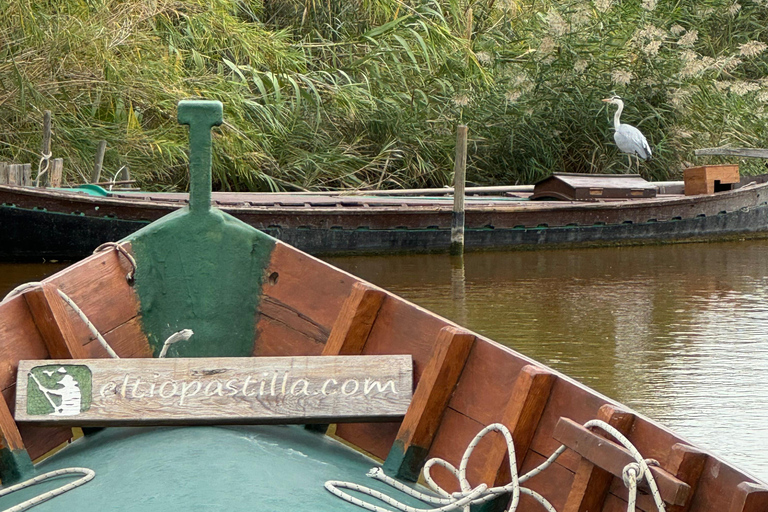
[[57, 172], [459, 181], [521, 416], [107, 392], [125, 176], [50, 314], [613, 457], [3, 173], [98, 161], [434, 390], [746, 152], [353, 325], [687, 464], [15, 463], [591, 483], [14, 174], [749, 497], [26, 175]]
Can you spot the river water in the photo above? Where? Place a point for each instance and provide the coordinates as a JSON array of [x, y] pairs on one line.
[[678, 333]]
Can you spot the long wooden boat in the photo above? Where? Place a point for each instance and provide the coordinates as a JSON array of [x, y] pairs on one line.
[[245, 294], [67, 225]]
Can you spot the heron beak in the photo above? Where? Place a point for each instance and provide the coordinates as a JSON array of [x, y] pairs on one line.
[[607, 100]]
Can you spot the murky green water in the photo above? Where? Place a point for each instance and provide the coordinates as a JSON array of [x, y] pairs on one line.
[[679, 333]]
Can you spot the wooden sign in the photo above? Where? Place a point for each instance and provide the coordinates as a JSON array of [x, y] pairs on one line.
[[239, 390]]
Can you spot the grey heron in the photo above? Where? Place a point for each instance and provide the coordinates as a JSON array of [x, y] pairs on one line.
[[629, 139]]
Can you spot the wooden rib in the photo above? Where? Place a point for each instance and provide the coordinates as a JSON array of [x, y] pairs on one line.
[[434, 390], [612, 457], [15, 463], [353, 324], [592, 482], [749, 497], [52, 319], [522, 414], [687, 464]]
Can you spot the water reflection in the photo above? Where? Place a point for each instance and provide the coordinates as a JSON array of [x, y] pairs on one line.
[[679, 333]]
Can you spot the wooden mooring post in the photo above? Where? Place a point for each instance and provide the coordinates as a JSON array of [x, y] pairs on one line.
[[99, 161], [459, 180]]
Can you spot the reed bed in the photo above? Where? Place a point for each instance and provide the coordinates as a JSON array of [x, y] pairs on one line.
[[368, 93]]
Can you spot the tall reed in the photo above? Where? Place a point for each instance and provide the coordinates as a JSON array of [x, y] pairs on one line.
[[367, 93]]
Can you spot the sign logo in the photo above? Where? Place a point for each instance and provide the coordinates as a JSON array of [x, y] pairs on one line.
[[59, 390]]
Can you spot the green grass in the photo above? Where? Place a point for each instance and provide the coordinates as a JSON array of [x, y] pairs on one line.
[[368, 93]]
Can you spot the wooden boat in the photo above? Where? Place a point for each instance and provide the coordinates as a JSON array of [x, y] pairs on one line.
[[64, 224], [246, 294]]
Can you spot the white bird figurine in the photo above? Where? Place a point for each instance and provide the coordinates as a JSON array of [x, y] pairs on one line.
[[629, 139]]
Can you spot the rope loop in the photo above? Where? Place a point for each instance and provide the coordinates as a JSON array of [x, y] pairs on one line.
[[43, 166], [119, 248], [633, 474], [88, 475]]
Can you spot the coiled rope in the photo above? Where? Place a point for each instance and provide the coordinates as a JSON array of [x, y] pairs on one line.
[[634, 473], [88, 475]]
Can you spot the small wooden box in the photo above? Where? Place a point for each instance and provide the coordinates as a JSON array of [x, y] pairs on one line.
[[708, 179]]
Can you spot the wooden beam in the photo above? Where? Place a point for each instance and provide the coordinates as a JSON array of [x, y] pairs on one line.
[[14, 174], [50, 314], [749, 497], [3, 173], [522, 414], [26, 175], [353, 324], [57, 172], [745, 152], [434, 390], [591, 482], [612, 457], [15, 463], [687, 464]]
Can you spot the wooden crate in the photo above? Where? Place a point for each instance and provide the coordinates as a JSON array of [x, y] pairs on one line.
[[708, 179]]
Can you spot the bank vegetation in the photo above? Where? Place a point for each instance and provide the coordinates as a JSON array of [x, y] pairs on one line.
[[368, 93]]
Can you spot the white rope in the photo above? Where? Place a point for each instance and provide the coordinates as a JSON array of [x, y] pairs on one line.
[[633, 474], [88, 475], [21, 289], [182, 335], [119, 248], [45, 158], [88, 324], [36, 284]]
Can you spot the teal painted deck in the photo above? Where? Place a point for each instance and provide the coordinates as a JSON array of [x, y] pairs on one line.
[[266, 468]]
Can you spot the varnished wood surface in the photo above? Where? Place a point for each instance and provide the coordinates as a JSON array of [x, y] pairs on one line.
[[303, 299]]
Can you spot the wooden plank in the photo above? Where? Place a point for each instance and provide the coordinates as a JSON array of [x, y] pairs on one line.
[[15, 463], [107, 392], [437, 383], [50, 314], [745, 152], [57, 172], [14, 174], [749, 497], [522, 414], [26, 175], [591, 483], [3, 173], [612, 457], [353, 325]]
